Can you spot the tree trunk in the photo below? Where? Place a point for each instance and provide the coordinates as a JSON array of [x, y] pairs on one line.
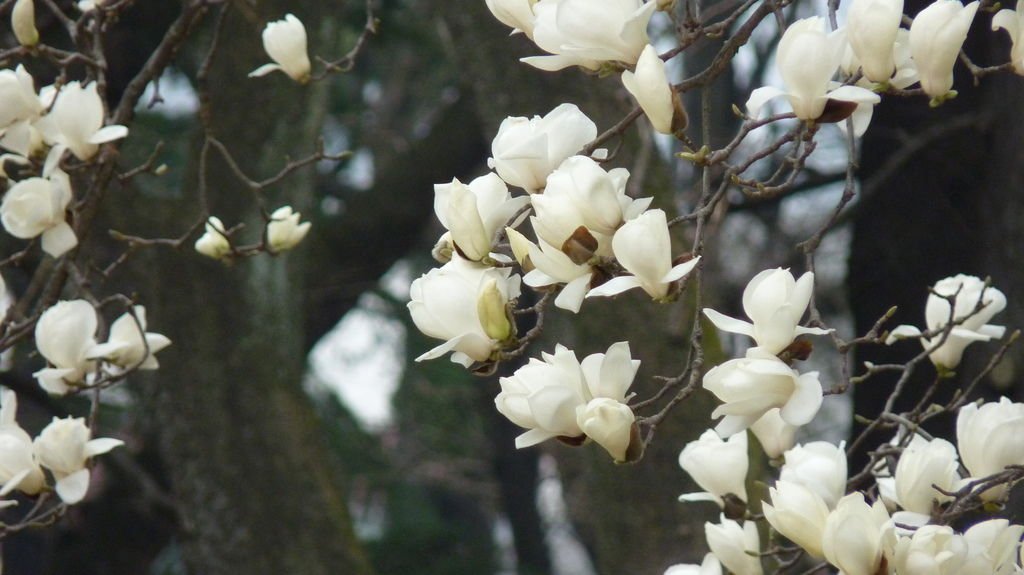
[[258, 489]]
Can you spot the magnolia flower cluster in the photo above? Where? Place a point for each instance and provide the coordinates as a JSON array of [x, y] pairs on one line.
[[605, 36], [592, 239], [760, 390], [808, 503], [573, 400], [65, 336], [957, 314], [871, 43], [62, 448], [44, 126]]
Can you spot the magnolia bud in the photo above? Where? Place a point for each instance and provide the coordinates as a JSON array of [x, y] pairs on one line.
[[490, 306], [23, 21], [609, 423]]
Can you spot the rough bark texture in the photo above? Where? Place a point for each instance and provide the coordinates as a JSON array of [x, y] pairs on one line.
[[257, 487]]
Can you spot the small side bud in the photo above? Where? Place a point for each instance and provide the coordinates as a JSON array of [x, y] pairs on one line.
[[490, 307], [442, 250], [23, 21], [520, 248]]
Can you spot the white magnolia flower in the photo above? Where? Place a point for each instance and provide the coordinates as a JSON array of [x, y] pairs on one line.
[[807, 57], [285, 43], [854, 535], [284, 231], [932, 549], [554, 397], [64, 336], [516, 14], [992, 547], [214, 241], [773, 433], [23, 22], [542, 397], [75, 123], [936, 36], [18, 93], [719, 467], [609, 423], [736, 546], [526, 150], [871, 30], [64, 447], [710, 566], [969, 291], [18, 467], [446, 305], [752, 385], [36, 206], [580, 193], [129, 344], [819, 466], [775, 302], [923, 466], [585, 33], [989, 439], [799, 514], [650, 86], [1013, 22], [643, 246], [551, 266], [474, 213]]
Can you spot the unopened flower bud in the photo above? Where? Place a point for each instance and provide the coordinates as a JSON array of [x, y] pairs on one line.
[[23, 21], [490, 306]]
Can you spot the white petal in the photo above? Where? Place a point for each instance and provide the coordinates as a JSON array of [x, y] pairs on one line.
[[571, 296], [760, 97], [59, 239], [264, 70], [109, 134], [101, 445], [729, 324], [73, 488], [615, 286]]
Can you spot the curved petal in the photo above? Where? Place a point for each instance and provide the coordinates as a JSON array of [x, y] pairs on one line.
[[679, 271], [615, 286], [109, 134], [761, 96], [854, 94], [59, 239], [803, 405], [264, 70], [732, 424], [73, 488], [729, 324], [101, 445], [700, 496], [1007, 20], [571, 296], [533, 437]]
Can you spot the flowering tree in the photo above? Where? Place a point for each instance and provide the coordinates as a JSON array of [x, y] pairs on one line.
[[557, 228], [543, 405]]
